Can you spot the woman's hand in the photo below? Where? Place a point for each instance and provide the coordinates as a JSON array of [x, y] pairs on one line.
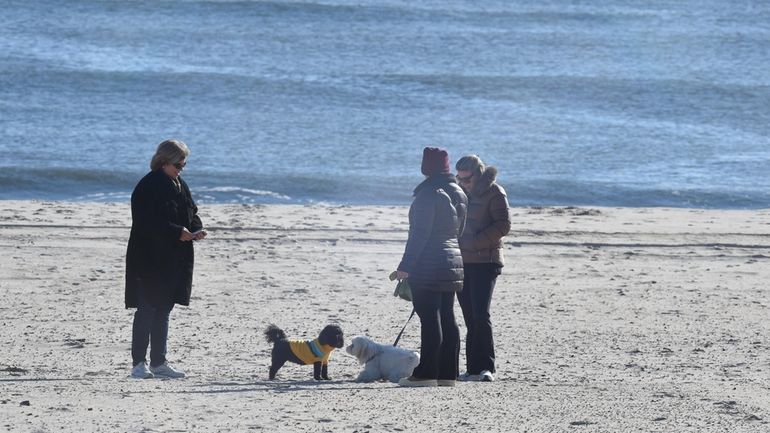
[[200, 234], [186, 236], [401, 275]]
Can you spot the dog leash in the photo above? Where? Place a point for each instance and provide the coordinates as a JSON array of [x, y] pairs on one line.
[[395, 343]]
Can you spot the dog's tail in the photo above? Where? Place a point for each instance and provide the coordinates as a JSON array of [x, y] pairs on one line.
[[274, 334]]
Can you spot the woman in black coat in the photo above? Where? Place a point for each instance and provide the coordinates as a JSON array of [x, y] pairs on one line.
[[159, 260], [433, 265]]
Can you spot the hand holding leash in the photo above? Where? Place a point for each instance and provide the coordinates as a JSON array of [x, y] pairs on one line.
[[403, 291]]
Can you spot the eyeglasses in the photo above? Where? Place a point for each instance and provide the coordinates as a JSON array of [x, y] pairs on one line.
[[179, 165], [464, 179]]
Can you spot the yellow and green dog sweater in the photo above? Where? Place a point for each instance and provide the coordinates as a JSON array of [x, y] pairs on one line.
[[311, 351]]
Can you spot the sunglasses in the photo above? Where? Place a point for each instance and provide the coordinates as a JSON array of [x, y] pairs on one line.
[[179, 165], [464, 179]]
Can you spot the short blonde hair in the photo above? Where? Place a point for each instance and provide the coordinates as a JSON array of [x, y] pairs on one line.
[[471, 163], [169, 152]]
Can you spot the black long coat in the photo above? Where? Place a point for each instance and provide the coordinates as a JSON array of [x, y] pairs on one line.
[[436, 219], [158, 264]]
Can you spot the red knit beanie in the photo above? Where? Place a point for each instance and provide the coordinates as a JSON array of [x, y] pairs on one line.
[[435, 161]]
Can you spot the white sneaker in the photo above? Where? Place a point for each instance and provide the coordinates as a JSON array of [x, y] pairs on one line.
[[486, 376], [466, 377], [140, 371], [165, 370]]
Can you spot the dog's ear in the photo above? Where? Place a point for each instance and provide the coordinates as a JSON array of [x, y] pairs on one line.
[[366, 350], [358, 346]]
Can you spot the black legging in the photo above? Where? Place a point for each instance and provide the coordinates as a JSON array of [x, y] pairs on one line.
[[440, 335], [475, 300]]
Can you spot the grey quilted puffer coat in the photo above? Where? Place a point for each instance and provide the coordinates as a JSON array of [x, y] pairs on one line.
[[432, 255]]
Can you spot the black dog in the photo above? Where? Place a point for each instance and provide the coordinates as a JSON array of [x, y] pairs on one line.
[[305, 352]]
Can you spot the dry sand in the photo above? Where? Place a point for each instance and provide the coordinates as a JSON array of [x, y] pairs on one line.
[[606, 320]]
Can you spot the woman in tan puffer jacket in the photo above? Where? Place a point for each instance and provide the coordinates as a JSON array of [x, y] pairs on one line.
[[488, 220]]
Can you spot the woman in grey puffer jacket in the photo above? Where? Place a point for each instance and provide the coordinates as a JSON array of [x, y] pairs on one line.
[[433, 265]]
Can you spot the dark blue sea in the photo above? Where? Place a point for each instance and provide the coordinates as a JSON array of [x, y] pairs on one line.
[[622, 103]]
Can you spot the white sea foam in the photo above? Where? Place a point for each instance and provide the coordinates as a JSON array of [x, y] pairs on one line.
[[241, 192]]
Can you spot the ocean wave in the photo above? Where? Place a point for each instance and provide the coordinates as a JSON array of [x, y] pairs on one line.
[[669, 100], [394, 9], [235, 191], [111, 197], [82, 185], [571, 193]]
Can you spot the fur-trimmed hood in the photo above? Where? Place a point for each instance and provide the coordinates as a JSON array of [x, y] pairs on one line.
[[488, 221], [485, 182]]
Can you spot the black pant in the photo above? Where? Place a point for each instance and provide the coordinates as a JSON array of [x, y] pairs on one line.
[[475, 300], [440, 345]]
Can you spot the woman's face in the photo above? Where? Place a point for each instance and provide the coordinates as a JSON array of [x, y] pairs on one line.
[[466, 179], [173, 170]]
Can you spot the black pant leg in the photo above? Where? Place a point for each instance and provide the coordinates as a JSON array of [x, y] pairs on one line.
[[484, 344], [476, 303], [449, 356], [466, 305], [427, 306]]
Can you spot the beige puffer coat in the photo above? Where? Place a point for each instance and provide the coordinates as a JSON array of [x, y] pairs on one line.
[[488, 220]]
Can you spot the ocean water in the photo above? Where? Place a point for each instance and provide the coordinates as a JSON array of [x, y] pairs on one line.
[[624, 103]]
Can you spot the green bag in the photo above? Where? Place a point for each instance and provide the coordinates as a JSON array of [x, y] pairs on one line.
[[403, 290]]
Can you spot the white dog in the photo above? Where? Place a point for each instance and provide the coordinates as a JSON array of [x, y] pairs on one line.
[[381, 361]]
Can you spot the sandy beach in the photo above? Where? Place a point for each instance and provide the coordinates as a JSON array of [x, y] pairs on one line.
[[606, 320]]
